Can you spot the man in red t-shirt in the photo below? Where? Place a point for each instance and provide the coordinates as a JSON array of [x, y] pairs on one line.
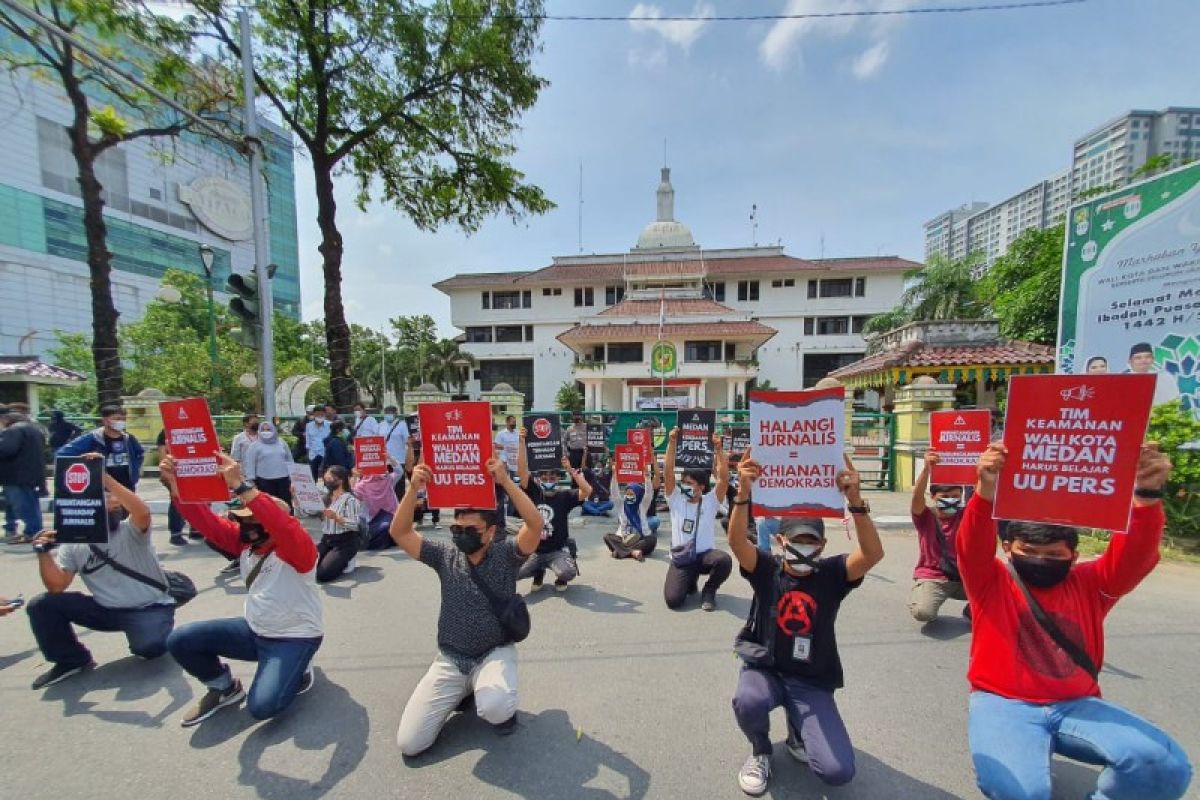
[[1029, 698], [936, 573]]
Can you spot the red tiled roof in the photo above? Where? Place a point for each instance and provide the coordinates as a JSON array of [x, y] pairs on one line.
[[917, 354], [637, 331], [469, 279], [35, 368], [575, 273], [784, 264], [643, 308]]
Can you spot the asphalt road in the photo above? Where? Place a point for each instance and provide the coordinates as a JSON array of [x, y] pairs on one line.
[[619, 696]]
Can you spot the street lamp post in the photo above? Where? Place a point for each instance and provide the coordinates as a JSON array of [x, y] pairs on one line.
[[206, 259]]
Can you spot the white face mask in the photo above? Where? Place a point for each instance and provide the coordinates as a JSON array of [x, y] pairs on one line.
[[389, 417], [118, 425], [808, 550], [358, 414]]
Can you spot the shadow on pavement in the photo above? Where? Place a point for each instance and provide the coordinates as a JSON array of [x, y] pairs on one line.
[[945, 629], [584, 767], [1073, 778], [343, 586], [873, 778], [15, 658], [588, 598], [133, 679], [325, 718]]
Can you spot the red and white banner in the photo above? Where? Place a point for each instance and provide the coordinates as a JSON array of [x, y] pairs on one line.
[[629, 465], [797, 438], [643, 438], [456, 442], [370, 455], [958, 437], [1073, 444], [192, 442]]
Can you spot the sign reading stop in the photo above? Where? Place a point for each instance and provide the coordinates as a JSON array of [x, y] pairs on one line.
[[77, 478], [542, 428]]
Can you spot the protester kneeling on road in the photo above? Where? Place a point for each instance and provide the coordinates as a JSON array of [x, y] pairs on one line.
[[633, 537], [340, 527], [281, 627], [555, 505], [118, 602], [936, 573], [477, 657], [693, 510], [789, 643], [1038, 643]]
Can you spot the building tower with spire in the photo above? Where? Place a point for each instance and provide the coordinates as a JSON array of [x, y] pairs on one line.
[[665, 233]]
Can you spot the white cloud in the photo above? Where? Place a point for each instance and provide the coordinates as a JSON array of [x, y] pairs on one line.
[[870, 60], [680, 32], [787, 36]]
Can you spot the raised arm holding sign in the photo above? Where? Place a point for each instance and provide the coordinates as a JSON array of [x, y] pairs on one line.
[[192, 443], [456, 442]]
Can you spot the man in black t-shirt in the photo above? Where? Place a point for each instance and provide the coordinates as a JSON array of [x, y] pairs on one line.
[[789, 643], [554, 504]]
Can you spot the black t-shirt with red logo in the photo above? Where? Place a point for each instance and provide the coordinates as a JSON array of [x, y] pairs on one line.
[[806, 611]]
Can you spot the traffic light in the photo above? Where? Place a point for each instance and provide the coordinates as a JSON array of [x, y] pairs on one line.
[[244, 306]]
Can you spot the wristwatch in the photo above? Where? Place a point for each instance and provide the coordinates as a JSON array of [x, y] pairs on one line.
[[244, 487], [737, 502], [865, 508], [1148, 494]]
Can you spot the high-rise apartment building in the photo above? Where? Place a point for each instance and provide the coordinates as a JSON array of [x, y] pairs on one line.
[[1104, 157]]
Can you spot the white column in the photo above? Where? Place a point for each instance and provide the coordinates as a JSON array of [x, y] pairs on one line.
[[587, 396], [730, 393], [625, 396], [702, 394]]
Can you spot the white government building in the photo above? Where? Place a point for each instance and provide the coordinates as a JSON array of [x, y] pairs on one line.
[[736, 317]]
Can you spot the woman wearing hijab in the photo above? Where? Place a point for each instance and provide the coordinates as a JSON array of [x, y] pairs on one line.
[[378, 497], [266, 461], [633, 538]]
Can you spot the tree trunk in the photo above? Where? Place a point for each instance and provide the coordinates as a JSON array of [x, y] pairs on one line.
[[106, 356], [337, 332]]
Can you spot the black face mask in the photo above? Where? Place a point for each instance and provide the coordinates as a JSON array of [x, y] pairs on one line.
[[252, 534], [115, 518], [1041, 572], [466, 538], [331, 485]]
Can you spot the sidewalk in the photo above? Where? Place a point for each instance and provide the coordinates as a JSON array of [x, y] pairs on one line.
[[888, 509]]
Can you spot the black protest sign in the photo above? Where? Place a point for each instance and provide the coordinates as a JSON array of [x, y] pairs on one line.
[[79, 513], [694, 449], [414, 433], [737, 439], [597, 439], [543, 442]]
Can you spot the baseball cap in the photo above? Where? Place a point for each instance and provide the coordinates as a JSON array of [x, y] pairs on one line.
[[237, 508], [791, 527]]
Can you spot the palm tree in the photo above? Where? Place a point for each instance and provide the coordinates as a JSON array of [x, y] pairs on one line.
[[944, 289], [447, 365]]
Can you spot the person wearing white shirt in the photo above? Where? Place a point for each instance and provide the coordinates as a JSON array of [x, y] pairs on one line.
[[315, 434], [394, 431], [364, 424], [693, 529], [246, 437]]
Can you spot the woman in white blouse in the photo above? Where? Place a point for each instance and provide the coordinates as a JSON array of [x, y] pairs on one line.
[[340, 540]]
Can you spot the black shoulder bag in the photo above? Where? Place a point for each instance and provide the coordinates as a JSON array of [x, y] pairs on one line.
[[1077, 654], [512, 614], [178, 586]]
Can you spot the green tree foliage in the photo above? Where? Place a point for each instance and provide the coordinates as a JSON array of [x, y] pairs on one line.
[[156, 48], [1178, 435], [943, 289], [418, 101], [568, 398], [1023, 286]]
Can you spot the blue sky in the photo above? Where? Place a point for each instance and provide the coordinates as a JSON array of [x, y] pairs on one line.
[[853, 133]]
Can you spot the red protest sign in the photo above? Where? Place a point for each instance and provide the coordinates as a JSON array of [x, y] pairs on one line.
[[456, 442], [1073, 443], [629, 465], [192, 442], [370, 455], [958, 437], [644, 439]]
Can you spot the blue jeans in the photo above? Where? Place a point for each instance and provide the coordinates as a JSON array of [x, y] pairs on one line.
[[25, 507], [1011, 742], [199, 646], [596, 508], [51, 616]]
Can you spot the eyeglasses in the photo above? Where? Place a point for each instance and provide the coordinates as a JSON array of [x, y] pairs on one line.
[[465, 530]]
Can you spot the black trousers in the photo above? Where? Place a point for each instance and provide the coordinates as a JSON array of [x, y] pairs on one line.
[[276, 487], [334, 552], [682, 581]]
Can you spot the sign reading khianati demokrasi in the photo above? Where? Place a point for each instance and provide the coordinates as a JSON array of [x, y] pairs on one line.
[[797, 439], [543, 442], [79, 513], [192, 441], [1073, 444]]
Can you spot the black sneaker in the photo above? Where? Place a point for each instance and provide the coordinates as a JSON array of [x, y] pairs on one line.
[[560, 585], [536, 586], [232, 568], [59, 673], [178, 540], [966, 612], [467, 704], [708, 601], [306, 681], [195, 534], [212, 702]]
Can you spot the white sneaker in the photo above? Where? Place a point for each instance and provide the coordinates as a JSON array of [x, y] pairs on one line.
[[755, 775], [350, 566], [795, 747]]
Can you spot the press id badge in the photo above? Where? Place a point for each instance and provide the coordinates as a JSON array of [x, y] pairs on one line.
[[689, 525], [801, 648]]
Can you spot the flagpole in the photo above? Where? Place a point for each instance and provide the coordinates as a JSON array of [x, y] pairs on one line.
[[662, 374]]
